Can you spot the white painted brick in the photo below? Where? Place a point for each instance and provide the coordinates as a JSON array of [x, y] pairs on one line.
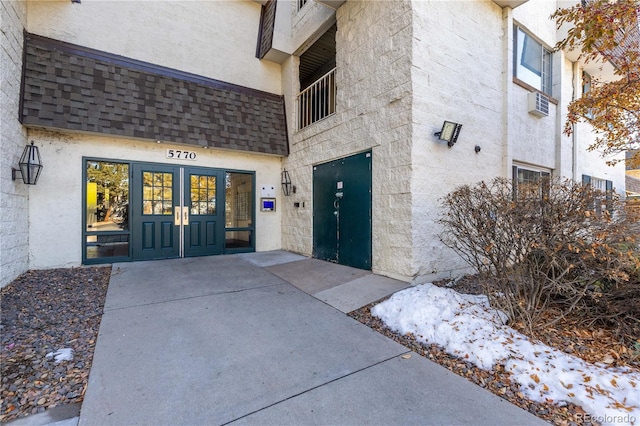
[[13, 195]]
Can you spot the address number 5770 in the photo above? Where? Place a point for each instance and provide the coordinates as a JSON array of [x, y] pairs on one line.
[[178, 154]]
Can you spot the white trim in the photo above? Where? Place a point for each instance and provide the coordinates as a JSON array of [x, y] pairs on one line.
[[532, 167]]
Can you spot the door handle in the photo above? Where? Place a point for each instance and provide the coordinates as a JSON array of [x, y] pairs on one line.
[[185, 216], [181, 216]]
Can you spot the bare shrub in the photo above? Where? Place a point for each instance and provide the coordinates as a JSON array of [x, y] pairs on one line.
[[554, 246]]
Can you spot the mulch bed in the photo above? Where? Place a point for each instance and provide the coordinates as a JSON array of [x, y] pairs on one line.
[[41, 312]]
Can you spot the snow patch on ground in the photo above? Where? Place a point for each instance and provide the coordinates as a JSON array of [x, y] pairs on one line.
[[64, 354], [466, 327]]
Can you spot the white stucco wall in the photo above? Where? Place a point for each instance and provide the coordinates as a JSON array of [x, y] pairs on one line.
[[14, 195], [215, 39], [457, 76], [541, 141], [308, 23], [56, 203], [582, 160], [373, 111], [462, 72], [295, 30], [534, 16], [593, 163], [567, 87], [535, 139]]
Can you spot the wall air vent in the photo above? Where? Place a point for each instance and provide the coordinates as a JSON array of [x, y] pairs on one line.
[[538, 104]]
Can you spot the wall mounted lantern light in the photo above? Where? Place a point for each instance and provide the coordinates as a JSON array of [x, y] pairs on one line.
[[449, 132], [30, 165], [287, 188]]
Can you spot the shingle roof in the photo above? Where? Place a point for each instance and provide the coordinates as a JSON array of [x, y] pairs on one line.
[[71, 87]]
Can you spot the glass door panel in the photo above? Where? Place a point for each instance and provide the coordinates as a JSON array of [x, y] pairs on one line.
[[239, 212], [141, 211], [155, 194], [106, 211], [203, 195], [203, 233]]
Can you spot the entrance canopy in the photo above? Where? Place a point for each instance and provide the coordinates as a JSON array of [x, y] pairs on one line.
[[70, 87]]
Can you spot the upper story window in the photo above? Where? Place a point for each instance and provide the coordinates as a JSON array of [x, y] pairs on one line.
[[532, 61]]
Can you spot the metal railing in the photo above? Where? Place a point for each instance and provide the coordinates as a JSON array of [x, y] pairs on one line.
[[317, 101]]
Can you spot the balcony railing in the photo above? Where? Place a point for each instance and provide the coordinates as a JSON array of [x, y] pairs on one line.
[[317, 101]]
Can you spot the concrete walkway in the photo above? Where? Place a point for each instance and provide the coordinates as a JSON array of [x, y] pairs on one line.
[[262, 339]]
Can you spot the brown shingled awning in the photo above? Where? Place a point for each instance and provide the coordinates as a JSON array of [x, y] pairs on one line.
[[70, 87]]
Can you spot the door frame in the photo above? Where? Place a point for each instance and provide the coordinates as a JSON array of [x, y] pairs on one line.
[[129, 232], [347, 242], [155, 226], [185, 173]]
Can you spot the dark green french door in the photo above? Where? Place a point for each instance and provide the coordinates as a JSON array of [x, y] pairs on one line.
[[176, 211], [342, 211]]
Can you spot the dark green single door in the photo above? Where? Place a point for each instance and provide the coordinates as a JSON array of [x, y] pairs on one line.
[[342, 211], [204, 228], [154, 200], [325, 218], [176, 211]]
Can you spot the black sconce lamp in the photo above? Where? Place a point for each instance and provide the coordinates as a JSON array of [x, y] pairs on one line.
[[30, 165], [449, 132], [287, 188], [75, 1]]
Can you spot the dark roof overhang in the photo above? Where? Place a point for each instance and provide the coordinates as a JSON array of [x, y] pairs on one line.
[[74, 88]]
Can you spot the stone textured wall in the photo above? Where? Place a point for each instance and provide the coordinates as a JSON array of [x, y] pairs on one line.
[[566, 89], [592, 163], [373, 111], [14, 209], [402, 69]]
